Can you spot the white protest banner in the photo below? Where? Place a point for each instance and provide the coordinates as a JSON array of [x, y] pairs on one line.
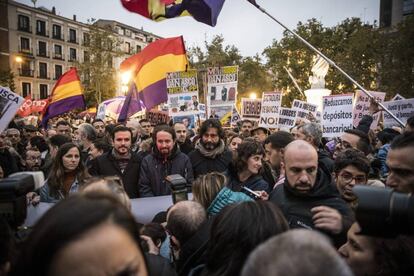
[[287, 118], [402, 109], [362, 104], [336, 115], [397, 98], [251, 109], [182, 90], [202, 111], [221, 90], [304, 108], [100, 114], [235, 116], [9, 104], [271, 102]]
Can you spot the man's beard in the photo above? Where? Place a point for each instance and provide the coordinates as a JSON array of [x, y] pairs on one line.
[[210, 145]]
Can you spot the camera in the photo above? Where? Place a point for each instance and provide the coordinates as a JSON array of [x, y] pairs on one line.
[[13, 204], [178, 185], [384, 212]]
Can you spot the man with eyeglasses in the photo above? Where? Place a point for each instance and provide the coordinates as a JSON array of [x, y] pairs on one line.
[[210, 153], [32, 160], [351, 168]]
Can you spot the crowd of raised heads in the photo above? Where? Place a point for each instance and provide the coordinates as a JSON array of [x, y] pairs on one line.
[[263, 201]]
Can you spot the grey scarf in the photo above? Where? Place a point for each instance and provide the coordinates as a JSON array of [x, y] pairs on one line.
[[210, 153]]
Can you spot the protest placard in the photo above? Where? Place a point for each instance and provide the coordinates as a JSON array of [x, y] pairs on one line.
[[9, 104], [251, 109], [402, 109], [336, 115], [235, 116], [221, 89], [287, 118], [156, 117], [189, 120], [202, 111], [182, 90], [30, 106], [269, 114], [303, 109], [397, 98], [362, 104]]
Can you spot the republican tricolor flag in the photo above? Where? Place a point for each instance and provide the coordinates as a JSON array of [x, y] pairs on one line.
[[67, 95], [149, 69]]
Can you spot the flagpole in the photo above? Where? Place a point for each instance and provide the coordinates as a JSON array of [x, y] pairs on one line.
[[294, 80], [253, 2]]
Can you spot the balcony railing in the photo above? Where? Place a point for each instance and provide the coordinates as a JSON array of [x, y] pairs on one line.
[[43, 75], [42, 53], [27, 29], [44, 33], [73, 40], [27, 51], [72, 59], [58, 37], [58, 56], [26, 72]]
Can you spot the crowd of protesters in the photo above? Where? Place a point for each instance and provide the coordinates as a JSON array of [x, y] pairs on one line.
[[256, 196]]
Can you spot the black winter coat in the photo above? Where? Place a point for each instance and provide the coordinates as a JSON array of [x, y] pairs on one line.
[[297, 207], [255, 182], [203, 165], [106, 165]]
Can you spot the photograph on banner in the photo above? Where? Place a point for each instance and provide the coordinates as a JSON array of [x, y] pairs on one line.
[[221, 85], [336, 115], [10, 102], [271, 102], [287, 118], [402, 109], [361, 107], [250, 109], [202, 111], [182, 90], [235, 116], [303, 109], [189, 121], [223, 113]]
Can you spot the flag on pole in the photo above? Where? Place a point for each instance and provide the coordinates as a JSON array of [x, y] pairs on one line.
[[205, 11], [149, 69], [66, 96]]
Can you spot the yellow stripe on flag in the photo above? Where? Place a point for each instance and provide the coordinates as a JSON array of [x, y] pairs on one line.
[[67, 90], [156, 69], [225, 118]]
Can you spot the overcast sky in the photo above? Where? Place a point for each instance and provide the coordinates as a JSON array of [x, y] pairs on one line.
[[240, 23]]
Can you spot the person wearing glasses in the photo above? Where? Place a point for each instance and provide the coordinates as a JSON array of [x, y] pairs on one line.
[[32, 160], [210, 153], [351, 168]]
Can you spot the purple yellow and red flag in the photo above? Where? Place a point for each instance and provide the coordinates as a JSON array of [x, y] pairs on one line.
[[67, 95], [205, 11], [149, 69]]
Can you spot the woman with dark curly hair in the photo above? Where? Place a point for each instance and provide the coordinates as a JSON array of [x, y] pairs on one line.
[[66, 175], [246, 167]]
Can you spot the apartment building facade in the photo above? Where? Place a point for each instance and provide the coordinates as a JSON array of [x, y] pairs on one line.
[[43, 45]]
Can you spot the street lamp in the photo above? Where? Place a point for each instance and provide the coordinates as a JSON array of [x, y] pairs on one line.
[[19, 59], [253, 95], [125, 77]]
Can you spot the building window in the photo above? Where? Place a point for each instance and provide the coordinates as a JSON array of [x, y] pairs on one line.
[[72, 36], [25, 45], [42, 49], [42, 70], [26, 89], [43, 91], [58, 52], [72, 54], [127, 47], [139, 48], [58, 71], [24, 23], [41, 27], [86, 56], [57, 32], [86, 39]]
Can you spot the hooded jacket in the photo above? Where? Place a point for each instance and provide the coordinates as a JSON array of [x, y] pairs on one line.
[[297, 207], [226, 197], [154, 170]]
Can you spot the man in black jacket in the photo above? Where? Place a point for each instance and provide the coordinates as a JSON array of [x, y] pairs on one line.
[[165, 160], [120, 161], [307, 198], [182, 138], [210, 153]]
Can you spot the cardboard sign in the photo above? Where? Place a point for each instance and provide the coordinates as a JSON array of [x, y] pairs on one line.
[[9, 104], [235, 116], [251, 109], [397, 98], [269, 114], [402, 109], [182, 90], [287, 118], [336, 115], [303, 109], [361, 107]]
